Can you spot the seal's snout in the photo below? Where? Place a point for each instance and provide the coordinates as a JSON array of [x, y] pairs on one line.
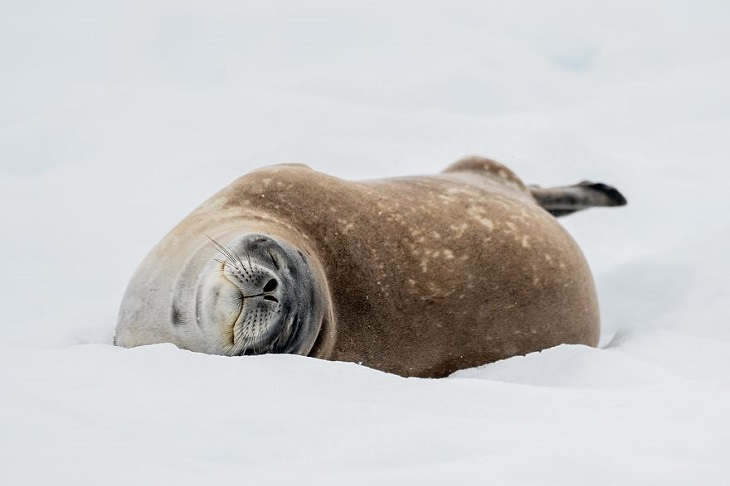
[[263, 297]]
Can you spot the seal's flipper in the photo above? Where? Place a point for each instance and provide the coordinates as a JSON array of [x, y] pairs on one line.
[[561, 201]]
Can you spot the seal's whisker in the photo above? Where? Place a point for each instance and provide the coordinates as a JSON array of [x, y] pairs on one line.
[[229, 253], [223, 250], [232, 258], [237, 258], [241, 336]]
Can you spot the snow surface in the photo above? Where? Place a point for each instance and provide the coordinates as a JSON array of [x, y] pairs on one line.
[[118, 118]]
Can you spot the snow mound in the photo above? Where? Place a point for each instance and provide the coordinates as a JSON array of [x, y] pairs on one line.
[[119, 119]]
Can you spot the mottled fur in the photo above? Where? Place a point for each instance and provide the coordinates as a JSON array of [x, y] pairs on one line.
[[420, 276]]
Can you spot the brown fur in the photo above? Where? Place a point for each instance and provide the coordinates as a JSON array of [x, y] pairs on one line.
[[426, 275]]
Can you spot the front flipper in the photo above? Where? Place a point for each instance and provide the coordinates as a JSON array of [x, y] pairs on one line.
[[561, 201]]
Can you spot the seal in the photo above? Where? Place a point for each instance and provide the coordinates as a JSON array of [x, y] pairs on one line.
[[418, 276]]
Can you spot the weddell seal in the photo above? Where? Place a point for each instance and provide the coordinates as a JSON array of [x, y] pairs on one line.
[[418, 276]]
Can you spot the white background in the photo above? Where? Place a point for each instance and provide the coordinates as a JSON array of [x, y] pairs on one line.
[[117, 119]]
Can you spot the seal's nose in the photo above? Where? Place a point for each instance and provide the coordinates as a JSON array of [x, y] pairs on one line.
[[269, 288]]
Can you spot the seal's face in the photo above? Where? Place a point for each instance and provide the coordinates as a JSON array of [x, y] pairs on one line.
[[260, 296], [250, 294]]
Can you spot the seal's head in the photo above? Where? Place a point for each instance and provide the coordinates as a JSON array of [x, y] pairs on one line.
[[246, 294]]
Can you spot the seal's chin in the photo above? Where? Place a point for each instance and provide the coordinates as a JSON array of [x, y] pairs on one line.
[[261, 296]]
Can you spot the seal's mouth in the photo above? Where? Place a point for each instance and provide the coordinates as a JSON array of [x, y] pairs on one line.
[[261, 297], [259, 313]]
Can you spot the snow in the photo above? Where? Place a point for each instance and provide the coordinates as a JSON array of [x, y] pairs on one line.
[[119, 118]]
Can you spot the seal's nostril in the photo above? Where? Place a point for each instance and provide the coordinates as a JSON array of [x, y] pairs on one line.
[[271, 285], [271, 298]]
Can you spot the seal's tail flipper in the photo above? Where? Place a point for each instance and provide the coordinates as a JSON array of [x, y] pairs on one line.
[[561, 201]]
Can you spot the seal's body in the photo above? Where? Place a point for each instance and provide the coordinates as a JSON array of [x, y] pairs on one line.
[[418, 276]]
